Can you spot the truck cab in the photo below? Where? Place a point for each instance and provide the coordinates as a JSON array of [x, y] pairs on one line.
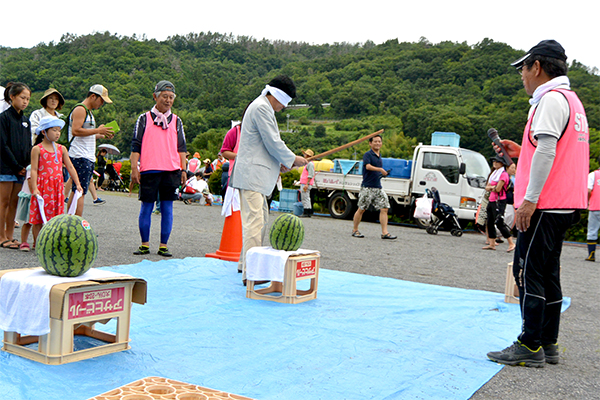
[[458, 174]]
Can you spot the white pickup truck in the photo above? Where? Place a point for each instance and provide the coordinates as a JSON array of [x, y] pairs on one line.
[[458, 174]]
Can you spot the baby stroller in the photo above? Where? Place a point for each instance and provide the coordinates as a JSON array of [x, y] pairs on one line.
[[445, 216], [115, 183]]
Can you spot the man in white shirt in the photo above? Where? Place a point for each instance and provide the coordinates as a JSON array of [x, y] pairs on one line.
[[82, 138]]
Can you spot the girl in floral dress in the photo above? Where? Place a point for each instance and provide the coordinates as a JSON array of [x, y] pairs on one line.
[[47, 160]]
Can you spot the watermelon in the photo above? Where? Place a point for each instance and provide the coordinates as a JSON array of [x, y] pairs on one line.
[[287, 233], [66, 246]]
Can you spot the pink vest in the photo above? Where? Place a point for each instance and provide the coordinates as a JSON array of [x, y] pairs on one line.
[[595, 198], [566, 186], [304, 176], [159, 147]]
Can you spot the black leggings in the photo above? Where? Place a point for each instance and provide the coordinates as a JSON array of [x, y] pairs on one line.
[[495, 218]]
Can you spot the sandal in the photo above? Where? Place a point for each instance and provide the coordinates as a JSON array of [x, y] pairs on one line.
[[488, 248], [164, 251], [357, 234], [24, 247], [511, 249], [12, 245], [142, 250], [388, 236]]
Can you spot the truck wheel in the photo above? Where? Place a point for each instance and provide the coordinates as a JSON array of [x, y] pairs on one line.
[[340, 206]]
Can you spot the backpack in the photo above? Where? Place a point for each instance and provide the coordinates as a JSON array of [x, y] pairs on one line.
[[65, 128]]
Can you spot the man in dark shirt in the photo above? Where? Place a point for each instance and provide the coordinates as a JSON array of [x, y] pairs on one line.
[[371, 192]]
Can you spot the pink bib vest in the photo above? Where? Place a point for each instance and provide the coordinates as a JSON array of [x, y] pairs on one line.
[[159, 147], [595, 198], [566, 186], [304, 176]]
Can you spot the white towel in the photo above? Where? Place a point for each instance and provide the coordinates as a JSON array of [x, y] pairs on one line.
[[73, 207], [231, 202], [25, 298], [267, 264]]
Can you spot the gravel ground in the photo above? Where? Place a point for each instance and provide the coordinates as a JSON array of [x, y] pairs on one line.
[[416, 256]]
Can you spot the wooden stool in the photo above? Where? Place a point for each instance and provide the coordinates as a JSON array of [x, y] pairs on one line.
[[511, 290], [297, 268], [81, 308]]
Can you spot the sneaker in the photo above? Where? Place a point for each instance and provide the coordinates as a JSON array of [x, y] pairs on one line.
[[164, 251], [156, 212], [519, 354], [66, 199], [551, 353], [99, 201], [142, 250]]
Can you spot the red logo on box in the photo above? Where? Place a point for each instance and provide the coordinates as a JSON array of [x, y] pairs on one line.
[[96, 302], [306, 268]]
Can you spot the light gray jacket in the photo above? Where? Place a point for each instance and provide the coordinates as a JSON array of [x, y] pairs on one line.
[[261, 150]]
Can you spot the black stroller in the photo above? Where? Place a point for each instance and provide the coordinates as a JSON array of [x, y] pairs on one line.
[[444, 216], [115, 183]]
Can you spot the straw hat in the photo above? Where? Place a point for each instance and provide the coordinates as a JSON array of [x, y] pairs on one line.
[[47, 93], [308, 152]]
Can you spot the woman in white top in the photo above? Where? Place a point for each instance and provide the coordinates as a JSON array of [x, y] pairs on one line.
[[51, 102]]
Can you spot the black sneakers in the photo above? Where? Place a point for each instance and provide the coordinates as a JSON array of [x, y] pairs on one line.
[[551, 353], [519, 354], [164, 251], [142, 250]]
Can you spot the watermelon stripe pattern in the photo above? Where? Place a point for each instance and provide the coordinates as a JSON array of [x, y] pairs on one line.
[[287, 233], [67, 246]]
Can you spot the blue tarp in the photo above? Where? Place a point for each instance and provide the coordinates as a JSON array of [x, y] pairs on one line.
[[364, 337]]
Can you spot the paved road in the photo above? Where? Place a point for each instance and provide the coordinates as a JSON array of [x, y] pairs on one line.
[[415, 256]]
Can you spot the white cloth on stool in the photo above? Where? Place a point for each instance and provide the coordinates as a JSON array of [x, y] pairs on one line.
[[25, 298], [267, 264]]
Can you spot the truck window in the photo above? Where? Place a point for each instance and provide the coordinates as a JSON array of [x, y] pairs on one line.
[[447, 164]]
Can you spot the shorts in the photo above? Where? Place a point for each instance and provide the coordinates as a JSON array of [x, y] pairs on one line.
[[375, 197], [84, 168], [12, 178], [23, 207], [164, 183]]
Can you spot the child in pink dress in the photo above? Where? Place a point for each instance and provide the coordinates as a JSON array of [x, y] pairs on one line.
[[47, 160]]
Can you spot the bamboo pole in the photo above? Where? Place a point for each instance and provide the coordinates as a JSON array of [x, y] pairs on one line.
[[345, 146]]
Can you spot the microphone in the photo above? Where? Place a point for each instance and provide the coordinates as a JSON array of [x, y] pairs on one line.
[[493, 134]]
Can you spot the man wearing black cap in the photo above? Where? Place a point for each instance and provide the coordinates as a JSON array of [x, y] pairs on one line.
[[159, 146], [550, 189], [261, 156]]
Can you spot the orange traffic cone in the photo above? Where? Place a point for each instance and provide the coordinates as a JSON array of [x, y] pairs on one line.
[[231, 239]]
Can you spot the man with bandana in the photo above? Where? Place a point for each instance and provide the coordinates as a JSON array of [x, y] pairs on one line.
[[159, 146], [261, 156], [550, 189]]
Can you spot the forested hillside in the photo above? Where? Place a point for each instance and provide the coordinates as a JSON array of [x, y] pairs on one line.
[[410, 89]]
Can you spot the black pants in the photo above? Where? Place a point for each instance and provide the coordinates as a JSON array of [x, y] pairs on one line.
[[101, 177], [495, 218], [536, 269]]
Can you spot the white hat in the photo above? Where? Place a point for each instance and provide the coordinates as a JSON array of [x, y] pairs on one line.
[[101, 91]]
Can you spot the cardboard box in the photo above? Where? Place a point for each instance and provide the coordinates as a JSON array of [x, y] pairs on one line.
[[75, 308]]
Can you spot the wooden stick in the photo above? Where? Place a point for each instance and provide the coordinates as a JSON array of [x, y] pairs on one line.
[[357, 141]]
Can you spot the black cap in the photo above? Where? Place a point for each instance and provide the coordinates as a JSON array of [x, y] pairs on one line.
[[546, 48], [499, 159], [164, 86]]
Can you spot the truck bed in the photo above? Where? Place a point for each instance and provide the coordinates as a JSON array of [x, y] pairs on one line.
[[351, 182]]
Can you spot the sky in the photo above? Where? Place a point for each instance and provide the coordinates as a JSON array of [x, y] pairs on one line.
[[520, 24]]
